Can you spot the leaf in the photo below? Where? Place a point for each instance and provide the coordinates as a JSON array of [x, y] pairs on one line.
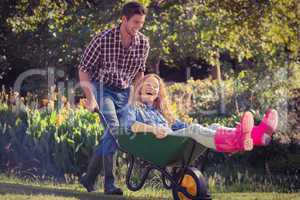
[[78, 147], [70, 141]]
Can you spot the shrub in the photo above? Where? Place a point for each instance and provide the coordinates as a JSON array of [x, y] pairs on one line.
[[47, 141]]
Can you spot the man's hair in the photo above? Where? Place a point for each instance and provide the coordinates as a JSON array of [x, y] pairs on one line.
[[133, 8]]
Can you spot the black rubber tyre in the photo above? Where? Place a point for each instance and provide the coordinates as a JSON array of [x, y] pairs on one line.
[[195, 185]]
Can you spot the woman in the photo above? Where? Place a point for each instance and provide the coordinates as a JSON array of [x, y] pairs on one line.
[[148, 111]]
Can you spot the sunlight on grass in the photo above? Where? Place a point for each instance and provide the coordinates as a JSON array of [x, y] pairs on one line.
[[34, 197], [147, 193], [76, 191], [256, 196]]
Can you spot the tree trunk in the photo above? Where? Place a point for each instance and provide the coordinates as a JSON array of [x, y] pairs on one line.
[[156, 69], [216, 74], [188, 73]]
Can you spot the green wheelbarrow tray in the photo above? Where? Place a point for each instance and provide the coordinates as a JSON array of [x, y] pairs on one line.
[[172, 150]]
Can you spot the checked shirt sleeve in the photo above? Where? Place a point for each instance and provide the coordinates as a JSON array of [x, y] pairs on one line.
[[91, 56], [145, 56]]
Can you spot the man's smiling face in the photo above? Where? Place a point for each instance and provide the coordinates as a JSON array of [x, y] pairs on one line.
[[134, 24]]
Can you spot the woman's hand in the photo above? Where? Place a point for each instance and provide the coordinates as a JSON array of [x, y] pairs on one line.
[[160, 132]]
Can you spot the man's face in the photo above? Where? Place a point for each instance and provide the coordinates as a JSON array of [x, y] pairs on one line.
[[134, 24]]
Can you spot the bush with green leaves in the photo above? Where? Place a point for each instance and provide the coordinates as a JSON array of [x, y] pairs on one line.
[[47, 142]]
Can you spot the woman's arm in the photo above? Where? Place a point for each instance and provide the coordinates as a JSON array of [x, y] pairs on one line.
[[177, 125], [128, 120], [139, 127]]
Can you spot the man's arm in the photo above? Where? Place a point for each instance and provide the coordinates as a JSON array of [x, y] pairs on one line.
[[89, 59], [87, 88], [140, 74], [137, 77]]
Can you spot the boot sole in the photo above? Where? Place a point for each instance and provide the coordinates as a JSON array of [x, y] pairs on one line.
[[247, 124], [273, 119], [117, 191], [85, 184]]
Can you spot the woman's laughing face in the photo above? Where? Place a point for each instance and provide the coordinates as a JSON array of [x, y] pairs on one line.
[[149, 90]]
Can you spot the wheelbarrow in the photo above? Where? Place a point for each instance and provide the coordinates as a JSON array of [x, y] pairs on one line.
[[171, 156]]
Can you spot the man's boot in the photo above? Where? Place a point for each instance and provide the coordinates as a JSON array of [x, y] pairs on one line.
[[88, 179], [109, 187]]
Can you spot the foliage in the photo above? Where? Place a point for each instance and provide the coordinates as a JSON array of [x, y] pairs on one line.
[[47, 141], [198, 101], [47, 33], [52, 34]]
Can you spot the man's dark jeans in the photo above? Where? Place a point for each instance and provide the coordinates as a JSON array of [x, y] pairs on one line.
[[111, 102]]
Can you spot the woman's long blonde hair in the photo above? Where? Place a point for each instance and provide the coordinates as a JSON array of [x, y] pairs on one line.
[[161, 102]]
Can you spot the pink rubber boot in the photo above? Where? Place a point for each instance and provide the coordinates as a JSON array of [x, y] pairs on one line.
[[237, 139], [262, 133]]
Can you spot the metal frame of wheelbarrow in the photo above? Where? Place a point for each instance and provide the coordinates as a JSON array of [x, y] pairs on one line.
[[174, 177], [165, 175]]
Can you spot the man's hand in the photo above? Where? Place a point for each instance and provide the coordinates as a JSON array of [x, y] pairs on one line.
[[91, 105], [160, 133]]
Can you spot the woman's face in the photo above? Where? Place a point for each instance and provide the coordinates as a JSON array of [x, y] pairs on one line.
[[149, 90]]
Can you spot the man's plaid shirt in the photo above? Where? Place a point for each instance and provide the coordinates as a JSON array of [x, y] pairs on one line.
[[107, 61]]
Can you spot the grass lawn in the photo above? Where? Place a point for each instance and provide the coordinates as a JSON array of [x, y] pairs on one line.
[[16, 189], [228, 196]]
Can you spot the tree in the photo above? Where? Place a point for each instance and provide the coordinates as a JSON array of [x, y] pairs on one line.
[[263, 32]]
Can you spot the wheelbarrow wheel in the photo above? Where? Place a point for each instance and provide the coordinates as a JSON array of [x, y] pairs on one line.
[[194, 183]]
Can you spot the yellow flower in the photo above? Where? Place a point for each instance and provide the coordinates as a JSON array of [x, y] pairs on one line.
[[98, 119], [59, 120], [82, 103]]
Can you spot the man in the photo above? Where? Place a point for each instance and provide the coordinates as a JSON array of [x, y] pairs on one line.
[[109, 65]]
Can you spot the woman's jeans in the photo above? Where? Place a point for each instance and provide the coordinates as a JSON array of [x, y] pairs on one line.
[[111, 101], [203, 135]]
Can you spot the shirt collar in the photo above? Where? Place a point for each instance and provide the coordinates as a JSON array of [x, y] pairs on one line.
[[118, 34], [135, 39], [149, 106]]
